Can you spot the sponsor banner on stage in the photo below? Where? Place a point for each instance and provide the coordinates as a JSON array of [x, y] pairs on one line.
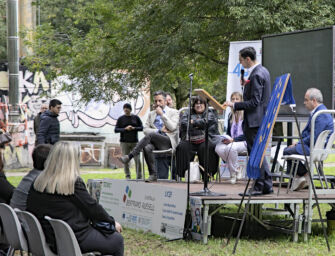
[[196, 205], [149, 207]]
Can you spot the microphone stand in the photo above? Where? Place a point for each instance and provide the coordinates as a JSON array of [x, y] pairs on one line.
[[206, 191], [187, 231]]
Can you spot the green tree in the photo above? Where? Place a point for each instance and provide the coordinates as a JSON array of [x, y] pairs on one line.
[[3, 31], [160, 41]]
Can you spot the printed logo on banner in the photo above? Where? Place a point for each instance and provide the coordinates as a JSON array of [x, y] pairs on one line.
[[168, 194], [237, 70], [128, 193]]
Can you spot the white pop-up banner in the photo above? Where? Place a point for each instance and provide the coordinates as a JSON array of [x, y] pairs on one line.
[[234, 67], [144, 206]]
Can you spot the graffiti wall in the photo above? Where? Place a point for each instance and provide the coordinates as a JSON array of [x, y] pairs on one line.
[[96, 118]]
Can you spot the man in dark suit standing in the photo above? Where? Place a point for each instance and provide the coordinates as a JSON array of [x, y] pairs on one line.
[[256, 95]]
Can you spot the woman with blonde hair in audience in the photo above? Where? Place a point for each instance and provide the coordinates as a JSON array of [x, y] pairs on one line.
[[60, 193], [229, 148]]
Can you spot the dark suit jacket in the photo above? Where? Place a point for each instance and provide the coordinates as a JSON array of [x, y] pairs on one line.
[[322, 122], [256, 96]]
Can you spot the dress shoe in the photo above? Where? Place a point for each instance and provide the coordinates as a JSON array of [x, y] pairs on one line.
[[268, 191], [124, 159], [251, 192], [151, 178]]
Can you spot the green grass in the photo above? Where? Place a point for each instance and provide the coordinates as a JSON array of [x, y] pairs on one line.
[[146, 244]]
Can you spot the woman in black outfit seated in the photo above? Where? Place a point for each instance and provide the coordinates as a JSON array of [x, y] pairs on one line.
[[186, 153], [59, 192], [6, 189]]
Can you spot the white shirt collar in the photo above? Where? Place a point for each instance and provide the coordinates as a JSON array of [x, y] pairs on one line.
[[253, 67], [313, 111]]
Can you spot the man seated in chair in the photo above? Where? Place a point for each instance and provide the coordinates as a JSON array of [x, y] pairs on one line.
[[313, 103], [161, 132]]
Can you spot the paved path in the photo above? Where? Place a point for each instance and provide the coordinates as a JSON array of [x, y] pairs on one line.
[[82, 171]]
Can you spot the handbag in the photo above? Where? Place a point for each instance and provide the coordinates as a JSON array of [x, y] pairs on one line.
[[194, 173], [104, 228], [5, 137]]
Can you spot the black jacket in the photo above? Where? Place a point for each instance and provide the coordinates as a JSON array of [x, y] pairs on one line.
[[48, 132], [6, 189], [199, 124], [128, 136], [78, 210], [37, 121]]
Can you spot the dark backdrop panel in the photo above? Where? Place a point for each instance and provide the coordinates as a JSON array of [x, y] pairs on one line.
[[308, 56]]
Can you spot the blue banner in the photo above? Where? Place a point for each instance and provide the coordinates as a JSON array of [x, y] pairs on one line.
[[281, 94]]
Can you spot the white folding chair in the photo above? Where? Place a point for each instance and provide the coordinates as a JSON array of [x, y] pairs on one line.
[[67, 243], [318, 152], [12, 230], [35, 237]]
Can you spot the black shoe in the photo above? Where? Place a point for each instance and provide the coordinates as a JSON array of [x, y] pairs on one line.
[[152, 178], [252, 193], [268, 191]]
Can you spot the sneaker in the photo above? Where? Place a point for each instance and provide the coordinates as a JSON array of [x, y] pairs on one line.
[[299, 183], [233, 178], [124, 159], [239, 174], [151, 178]]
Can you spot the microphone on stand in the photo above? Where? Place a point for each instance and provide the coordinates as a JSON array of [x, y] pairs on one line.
[[191, 76]]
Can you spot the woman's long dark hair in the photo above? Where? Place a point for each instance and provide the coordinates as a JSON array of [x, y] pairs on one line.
[[197, 99]]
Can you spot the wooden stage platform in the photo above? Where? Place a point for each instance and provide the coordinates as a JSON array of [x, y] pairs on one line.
[[292, 201]]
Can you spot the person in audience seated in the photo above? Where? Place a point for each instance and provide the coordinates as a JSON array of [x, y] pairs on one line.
[[169, 100], [19, 198], [186, 151], [163, 161], [313, 103], [60, 193], [161, 132], [229, 148], [6, 189]]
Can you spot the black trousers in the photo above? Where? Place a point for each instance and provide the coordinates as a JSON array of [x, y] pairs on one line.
[[264, 182], [186, 153], [105, 244], [149, 143]]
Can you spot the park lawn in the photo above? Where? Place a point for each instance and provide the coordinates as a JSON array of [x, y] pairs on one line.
[[146, 244]]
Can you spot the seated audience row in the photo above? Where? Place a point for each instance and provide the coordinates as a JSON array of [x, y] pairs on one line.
[[161, 132], [59, 192]]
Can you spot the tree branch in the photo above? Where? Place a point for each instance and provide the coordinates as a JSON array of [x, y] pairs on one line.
[[208, 57]]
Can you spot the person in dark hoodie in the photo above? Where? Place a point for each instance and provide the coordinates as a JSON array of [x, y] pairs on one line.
[[48, 132]]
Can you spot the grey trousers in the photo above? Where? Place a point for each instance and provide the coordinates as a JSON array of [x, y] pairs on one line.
[[126, 148]]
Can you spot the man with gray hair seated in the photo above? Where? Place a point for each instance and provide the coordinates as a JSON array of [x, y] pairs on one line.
[[313, 102]]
